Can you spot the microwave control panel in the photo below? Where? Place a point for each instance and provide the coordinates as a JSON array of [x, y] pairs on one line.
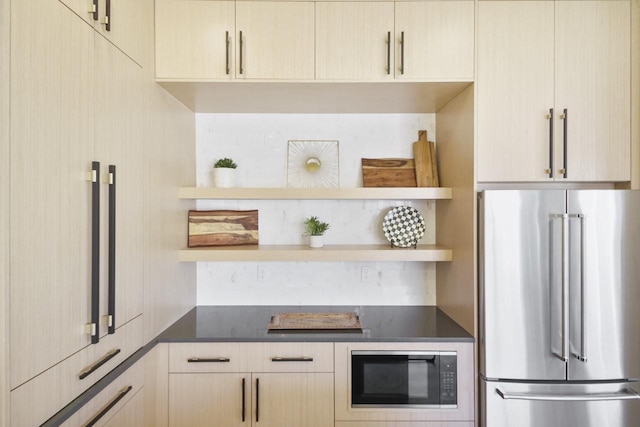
[[448, 380]]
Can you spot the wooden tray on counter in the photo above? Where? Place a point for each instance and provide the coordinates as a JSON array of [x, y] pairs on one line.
[[348, 321]]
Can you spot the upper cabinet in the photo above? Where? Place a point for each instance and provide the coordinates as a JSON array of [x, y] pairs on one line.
[[434, 40], [553, 86], [275, 40], [355, 40], [119, 21], [194, 39]]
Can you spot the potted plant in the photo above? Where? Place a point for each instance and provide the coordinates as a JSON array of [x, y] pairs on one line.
[[224, 172], [315, 229]]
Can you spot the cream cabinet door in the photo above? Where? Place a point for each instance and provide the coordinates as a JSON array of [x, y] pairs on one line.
[[51, 150], [354, 40], [209, 399], [275, 40], [434, 40], [593, 83], [194, 39], [515, 90], [119, 143], [122, 23], [83, 8], [293, 399]]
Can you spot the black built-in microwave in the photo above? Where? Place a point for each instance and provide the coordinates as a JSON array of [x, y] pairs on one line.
[[404, 379]]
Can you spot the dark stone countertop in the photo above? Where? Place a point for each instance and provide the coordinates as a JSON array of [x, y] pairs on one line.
[[379, 323]]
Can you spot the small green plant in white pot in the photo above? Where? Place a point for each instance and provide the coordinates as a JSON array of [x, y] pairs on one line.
[[315, 229], [224, 173]]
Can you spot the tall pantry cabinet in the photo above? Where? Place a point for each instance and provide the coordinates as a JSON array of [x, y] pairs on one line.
[[75, 238]]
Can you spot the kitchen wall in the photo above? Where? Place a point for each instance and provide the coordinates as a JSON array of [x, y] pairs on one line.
[[258, 143]]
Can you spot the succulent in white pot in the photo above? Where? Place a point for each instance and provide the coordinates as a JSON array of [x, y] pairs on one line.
[[224, 173], [315, 229]]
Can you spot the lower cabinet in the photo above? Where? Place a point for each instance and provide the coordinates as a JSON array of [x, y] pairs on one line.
[[261, 384]]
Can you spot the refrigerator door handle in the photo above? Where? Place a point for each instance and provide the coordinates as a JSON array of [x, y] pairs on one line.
[[625, 394], [582, 356], [564, 355]]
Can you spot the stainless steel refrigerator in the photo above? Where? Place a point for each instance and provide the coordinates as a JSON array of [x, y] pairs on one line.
[[559, 275]]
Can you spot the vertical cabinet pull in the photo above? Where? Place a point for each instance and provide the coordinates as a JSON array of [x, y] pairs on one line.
[[244, 407], [112, 250], [227, 43], [241, 48], [107, 15], [402, 52], [121, 394], [388, 52], [564, 117], [257, 399], [94, 10], [550, 117], [95, 253]]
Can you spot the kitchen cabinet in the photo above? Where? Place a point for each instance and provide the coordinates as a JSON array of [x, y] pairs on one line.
[[194, 39], [275, 40], [427, 41], [538, 59], [78, 100], [272, 384], [434, 40], [381, 252], [355, 40], [119, 21]]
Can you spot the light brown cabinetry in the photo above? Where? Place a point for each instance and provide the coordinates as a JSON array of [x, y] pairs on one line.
[[538, 59], [275, 40], [195, 39], [284, 384]]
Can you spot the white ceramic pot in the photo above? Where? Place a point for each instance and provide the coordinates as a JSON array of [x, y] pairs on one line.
[[316, 241], [224, 177]]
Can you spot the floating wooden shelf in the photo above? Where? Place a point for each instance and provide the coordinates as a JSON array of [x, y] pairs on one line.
[[387, 193], [327, 253]]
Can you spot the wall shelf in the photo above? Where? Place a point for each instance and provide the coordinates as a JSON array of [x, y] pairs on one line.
[[327, 253], [378, 193]]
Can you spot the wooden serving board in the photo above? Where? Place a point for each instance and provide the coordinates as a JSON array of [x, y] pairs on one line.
[[315, 321], [424, 154], [223, 228], [388, 173]]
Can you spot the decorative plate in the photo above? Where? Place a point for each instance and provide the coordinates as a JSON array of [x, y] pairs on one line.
[[403, 226]]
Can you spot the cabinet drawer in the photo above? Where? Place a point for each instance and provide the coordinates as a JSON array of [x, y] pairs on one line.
[[251, 357], [404, 424], [39, 399], [108, 403]]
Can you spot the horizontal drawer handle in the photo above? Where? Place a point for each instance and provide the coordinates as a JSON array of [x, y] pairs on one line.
[[208, 360], [292, 359], [92, 368], [626, 394], [122, 393]]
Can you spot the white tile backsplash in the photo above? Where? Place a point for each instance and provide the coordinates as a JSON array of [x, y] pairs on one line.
[[258, 143]]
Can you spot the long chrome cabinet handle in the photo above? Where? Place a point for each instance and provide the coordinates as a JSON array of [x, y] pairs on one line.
[[227, 45], [107, 15], [388, 52], [241, 44], [402, 52], [564, 288], [112, 250], [94, 326], [550, 117], [94, 367], [208, 360], [121, 394], [626, 394], [94, 10], [565, 119], [292, 359], [582, 356]]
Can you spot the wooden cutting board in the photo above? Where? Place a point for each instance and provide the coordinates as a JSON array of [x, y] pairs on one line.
[[424, 154], [315, 321], [223, 228], [388, 173]]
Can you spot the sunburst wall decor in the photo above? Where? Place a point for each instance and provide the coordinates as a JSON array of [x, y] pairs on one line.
[[313, 164]]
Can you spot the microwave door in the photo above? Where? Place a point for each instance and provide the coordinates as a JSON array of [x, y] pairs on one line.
[[605, 284]]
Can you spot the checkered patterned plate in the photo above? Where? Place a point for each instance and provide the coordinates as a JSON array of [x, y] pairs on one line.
[[403, 226]]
